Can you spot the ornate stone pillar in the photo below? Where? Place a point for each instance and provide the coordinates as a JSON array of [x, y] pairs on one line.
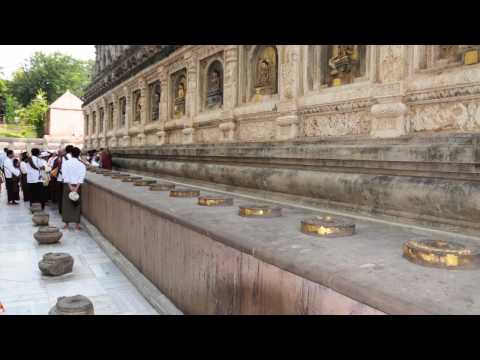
[[229, 92], [113, 142], [289, 75], [389, 114], [126, 138], [191, 99], [163, 117]]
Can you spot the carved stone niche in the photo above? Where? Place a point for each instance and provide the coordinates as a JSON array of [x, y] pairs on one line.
[[212, 82], [154, 90], [122, 104], [388, 118], [341, 64], [264, 71], [137, 107], [179, 93]]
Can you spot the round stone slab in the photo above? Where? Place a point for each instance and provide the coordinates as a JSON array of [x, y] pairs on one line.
[[260, 211], [144, 182], [214, 201], [48, 235], [56, 264], [132, 179], [326, 226], [184, 193], [73, 305], [162, 187], [36, 207], [40, 218], [441, 254]]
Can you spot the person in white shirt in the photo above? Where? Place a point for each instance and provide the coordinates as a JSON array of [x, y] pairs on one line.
[[23, 179], [64, 156], [3, 156], [34, 179], [11, 175], [73, 172]]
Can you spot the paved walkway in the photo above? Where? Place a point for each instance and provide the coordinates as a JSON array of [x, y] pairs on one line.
[[23, 289]]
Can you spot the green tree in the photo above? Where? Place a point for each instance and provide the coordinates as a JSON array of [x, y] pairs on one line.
[[34, 113], [11, 107], [54, 74]]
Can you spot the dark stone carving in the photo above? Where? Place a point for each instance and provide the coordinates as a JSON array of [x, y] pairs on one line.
[[214, 85], [154, 91], [48, 235], [40, 218], [123, 110], [56, 264], [73, 305], [134, 59], [137, 98]]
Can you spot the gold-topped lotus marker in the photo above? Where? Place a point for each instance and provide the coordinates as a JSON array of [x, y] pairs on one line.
[[120, 176], [144, 182], [162, 187], [184, 193], [260, 211], [214, 201], [132, 179], [327, 226], [441, 254]]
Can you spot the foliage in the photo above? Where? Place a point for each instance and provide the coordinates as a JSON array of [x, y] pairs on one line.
[[54, 74], [11, 107], [14, 131], [34, 113]]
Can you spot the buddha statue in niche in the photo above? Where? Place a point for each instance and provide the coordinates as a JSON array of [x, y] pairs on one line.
[[179, 105], [266, 72], [214, 86], [155, 99], [342, 64]]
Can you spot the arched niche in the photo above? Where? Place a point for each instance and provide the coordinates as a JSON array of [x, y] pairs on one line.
[[263, 66], [179, 94], [213, 88], [155, 94], [342, 64]]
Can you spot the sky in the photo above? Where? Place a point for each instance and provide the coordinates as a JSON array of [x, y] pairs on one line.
[[13, 56]]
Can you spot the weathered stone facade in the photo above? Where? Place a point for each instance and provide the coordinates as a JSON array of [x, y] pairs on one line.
[[385, 116], [219, 93]]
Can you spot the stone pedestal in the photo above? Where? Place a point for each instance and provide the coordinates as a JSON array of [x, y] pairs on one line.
[[40, 218], [227, 129], [56, 264], [48, 235], [36, 208], [188, 135], [73, 305], [389, 119], [287, 127]]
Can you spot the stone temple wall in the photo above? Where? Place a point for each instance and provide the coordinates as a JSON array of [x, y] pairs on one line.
[[397, 125], [402, 89]]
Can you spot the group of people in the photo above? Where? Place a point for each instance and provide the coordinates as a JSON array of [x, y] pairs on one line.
[[44, 176]]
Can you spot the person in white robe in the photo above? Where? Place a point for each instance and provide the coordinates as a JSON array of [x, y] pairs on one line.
[[74, 172]]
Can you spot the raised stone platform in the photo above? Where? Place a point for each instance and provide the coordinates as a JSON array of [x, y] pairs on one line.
[[432, 180], [209, 260]]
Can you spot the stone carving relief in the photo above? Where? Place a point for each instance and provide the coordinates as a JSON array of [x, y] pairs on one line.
[[137, 106], [256, 131], [110, 115], [214, 96], [179, 81], [391, 63], [462, 116], [155, 91], [336, 124], [344, 64], [101, 119], [94, 122], [289, 72], [123, 110], [265, 72]]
